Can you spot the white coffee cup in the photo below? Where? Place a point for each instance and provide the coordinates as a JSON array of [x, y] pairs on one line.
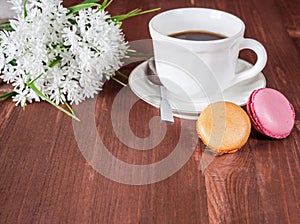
[[199, 67]]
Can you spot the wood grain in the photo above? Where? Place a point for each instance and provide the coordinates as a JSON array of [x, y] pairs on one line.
[[45, 178]]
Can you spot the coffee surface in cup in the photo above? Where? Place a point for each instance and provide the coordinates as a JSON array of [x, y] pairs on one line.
[[198, 35]]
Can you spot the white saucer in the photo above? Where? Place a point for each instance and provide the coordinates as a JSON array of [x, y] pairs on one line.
[[150, 93]]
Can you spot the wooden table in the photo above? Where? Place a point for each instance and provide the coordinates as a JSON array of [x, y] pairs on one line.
[[45, 178]]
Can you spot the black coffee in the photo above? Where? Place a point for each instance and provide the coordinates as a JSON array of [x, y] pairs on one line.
[[198, 35]]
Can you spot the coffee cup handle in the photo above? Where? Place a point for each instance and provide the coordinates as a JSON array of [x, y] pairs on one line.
[[261, 61]]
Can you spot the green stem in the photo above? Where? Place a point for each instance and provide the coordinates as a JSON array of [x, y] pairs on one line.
[[104, 5], [5, 22], [148, 11], [51, 65], [42, 95], [132, 13], [69, 107], [7, 95], [6, 27], [77, 8], [122, 74], [118, 81], [36, 78], [25, 9], [140, 55]]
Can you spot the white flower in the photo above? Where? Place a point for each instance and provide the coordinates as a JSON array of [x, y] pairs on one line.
[[21, 96], [88, 51], [2, 59]]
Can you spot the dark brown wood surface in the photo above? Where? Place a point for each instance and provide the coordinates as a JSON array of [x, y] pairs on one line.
[[44, 178]]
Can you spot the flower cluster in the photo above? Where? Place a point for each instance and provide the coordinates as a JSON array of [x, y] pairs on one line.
[[67, 56]]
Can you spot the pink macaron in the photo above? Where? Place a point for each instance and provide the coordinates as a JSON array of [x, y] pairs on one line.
[[271, 113]]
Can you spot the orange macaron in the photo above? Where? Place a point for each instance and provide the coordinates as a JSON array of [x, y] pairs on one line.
[[224, 127]]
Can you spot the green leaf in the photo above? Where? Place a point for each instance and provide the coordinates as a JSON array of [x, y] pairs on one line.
[[104, 2], [148, 11], [5, 22], [29, 82], [77, 8], [51, 65], [121, 74], [7, 95], [89, 1], [118, 81], [13, 62], [25, 10], [69, 107], [38, 92], [104, 5], [132, 13], [55, 62], [6, 27]]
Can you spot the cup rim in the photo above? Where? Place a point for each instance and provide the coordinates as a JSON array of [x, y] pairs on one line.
[[230, 38]]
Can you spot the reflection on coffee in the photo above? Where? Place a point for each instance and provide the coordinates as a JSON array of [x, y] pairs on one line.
[[198, 35]]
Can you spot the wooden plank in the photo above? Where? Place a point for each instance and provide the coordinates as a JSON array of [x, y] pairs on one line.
[[45, 178]]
